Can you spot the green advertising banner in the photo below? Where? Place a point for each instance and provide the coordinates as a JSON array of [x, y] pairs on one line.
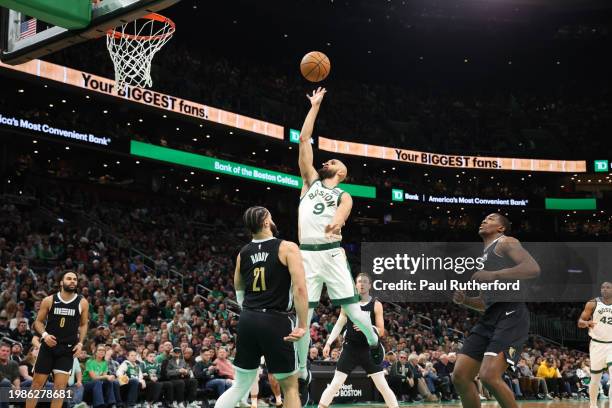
[[229, 168], [570, 203]]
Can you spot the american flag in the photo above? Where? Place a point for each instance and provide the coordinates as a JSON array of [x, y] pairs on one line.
[[27, 29]]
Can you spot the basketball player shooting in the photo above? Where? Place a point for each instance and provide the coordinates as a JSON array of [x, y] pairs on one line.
[[495, 341], [62, 324], [597, 317], [355, 348], [269, 279], [323, 211]]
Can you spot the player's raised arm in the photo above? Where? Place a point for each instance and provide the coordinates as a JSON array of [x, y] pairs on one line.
[[586, 317], [290, 253], [305, 161]]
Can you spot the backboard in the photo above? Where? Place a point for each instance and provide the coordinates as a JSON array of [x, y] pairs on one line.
[[23, 38]]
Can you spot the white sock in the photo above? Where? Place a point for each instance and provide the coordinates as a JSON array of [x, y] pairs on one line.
[[594, 388], [278, 399], [303, 345], [383, 387], [241, 386], [362, 320], [328, 395]]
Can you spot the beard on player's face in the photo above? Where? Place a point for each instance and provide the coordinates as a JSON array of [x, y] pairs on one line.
[[326, 173], [69, 288]]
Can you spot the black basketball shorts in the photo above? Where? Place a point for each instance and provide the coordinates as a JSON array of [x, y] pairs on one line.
[[58, 359], [503, 328], [261, 334], [353, 356]]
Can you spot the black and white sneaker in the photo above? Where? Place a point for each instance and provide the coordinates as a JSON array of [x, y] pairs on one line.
[[304, 389]]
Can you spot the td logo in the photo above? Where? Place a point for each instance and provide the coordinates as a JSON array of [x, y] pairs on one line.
[[601, 166], [397, 194]]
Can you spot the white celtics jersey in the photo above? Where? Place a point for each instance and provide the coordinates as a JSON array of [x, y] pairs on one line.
[[602, 316], [317, 209]]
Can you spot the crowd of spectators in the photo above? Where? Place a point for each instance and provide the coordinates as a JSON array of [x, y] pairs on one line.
[[163, 319]]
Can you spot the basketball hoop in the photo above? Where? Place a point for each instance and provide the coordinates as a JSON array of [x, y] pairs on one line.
[[132, 47]]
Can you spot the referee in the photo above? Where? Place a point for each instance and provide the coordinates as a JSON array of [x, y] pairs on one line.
[[269, 278], [62, 325]]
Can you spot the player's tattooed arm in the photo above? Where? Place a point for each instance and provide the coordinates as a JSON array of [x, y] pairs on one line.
[[586, 317], [305, 161], [41, 318], [238, 283]]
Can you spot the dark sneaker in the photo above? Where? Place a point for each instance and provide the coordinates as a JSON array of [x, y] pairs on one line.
[[304, 389], [377, 353]]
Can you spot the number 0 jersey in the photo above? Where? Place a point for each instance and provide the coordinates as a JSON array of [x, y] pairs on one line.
[[317, 209], [602, 316], [267, 281], [64, 319]]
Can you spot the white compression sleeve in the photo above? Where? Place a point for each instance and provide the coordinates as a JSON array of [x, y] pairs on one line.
[[303, 345], [594, 388], [383, 387], [242, 384], [240, 297], [328, 395], [340, 323]]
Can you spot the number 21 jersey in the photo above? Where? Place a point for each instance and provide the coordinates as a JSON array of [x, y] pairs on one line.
[[267, 281]]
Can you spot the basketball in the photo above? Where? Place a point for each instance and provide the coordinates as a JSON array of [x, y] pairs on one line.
[[315, 66]]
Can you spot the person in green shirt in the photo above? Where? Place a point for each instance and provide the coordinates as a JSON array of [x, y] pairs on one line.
[[166, 350], [98, 382], [151, 371]]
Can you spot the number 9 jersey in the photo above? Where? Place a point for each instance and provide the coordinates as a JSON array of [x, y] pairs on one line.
[[317, 209], [267, 281]]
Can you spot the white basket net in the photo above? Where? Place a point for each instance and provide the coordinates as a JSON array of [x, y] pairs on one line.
[[132, 47]]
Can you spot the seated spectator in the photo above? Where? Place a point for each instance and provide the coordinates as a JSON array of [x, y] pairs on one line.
[[5, 331], [225, 367], [532, 385], [401, 379], [22, 335], [75, 384], [548, 370], [180, 374], [207, 374], [155, 388], [26, 367], [102, 386], [9, 371], [17, 353], [130, 377], [417, 371], [444, 370]]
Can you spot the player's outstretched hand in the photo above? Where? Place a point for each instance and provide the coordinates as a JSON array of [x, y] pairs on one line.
[[591, 324], [356, 328], [326, 350], [295, 335], [317, 96], [459, 297], [332, 230], [50, 340]]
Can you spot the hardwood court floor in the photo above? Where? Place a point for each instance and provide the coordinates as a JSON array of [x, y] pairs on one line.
[[490, 404]]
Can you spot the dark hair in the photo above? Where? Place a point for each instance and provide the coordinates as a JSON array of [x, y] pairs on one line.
[[505, 222], [5, 345], [61, 277], [254, 217]]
